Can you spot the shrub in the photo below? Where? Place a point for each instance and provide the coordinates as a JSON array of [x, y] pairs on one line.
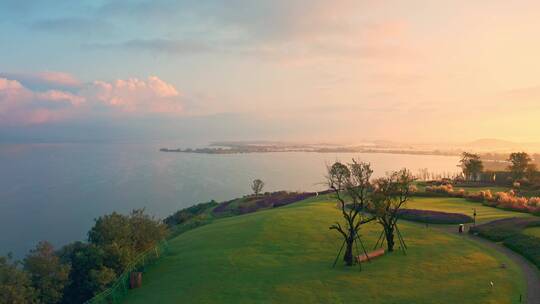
[[442, 189], [253, 204], [506, 200], [223, 207], [184, 215], [500, 230], [475, 196], [534, 202], [433, 217], [460, 193], [486, 195], [526, 245]]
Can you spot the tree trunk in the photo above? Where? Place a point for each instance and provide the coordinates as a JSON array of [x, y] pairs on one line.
[[348, 257], [390, 239]]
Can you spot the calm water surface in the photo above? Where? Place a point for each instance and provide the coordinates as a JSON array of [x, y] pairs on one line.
[[54, 191]]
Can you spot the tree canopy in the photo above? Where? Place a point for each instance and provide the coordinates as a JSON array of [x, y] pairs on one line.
[[15, 284], [390, 194], [352, 179], [48, 275], [471, 164], [519, 163], [257, 186], [80, 270]]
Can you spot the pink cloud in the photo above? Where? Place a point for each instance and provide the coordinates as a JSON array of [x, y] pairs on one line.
[[136, 95], [59, 78], [22, 105], [6, 84], [44, 79], [61, 96]]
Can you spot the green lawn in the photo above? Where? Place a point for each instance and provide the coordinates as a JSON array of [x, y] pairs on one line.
[[284, 255], [533, 231], [459, 205]]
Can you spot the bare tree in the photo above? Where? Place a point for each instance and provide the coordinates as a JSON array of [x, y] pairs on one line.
[[390, 193], [351, 181], [257, 186]]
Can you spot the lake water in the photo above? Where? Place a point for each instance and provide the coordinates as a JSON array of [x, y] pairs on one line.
[[55, 191]]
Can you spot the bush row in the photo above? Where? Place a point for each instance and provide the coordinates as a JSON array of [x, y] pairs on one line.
[[526, 245], [433, 217], [502, 229], [184, 215], [254, 203], [504, 200], [510, 232]]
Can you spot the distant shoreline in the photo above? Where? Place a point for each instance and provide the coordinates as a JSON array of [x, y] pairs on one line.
[[231, 150]]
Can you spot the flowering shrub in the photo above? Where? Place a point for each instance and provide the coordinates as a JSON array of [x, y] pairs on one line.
[[486, 195], [460, 193], [443, 189], [509, 200], [506, 200], [534, 202]]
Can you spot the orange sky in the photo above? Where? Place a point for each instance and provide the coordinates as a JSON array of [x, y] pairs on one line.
[[318, 70]]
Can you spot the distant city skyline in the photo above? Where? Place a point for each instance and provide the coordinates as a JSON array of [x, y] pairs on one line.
[[310, 70]]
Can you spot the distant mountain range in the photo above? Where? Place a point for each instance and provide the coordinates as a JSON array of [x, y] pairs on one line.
[[499, 145]]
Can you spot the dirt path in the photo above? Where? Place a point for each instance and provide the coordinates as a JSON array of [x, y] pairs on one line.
[[532, 275]]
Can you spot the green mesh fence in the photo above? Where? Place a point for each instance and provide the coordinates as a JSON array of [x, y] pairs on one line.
[[121, 287]]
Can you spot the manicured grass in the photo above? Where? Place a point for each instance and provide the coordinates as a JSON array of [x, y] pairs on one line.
[[460, 205], [284, 255], [533, 231]]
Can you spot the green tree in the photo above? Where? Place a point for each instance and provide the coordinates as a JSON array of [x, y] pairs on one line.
[[530, 172], [88, 275], [149, 231], [471, 164], [47, 274], [519, 162], [113, 233], [352, 181], [15, 284], [390, 194], [257, 186], [124, 237]]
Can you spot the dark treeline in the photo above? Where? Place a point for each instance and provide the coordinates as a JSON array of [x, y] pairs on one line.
[[78, 271]]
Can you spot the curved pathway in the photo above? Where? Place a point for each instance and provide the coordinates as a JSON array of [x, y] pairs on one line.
[[532, 275]]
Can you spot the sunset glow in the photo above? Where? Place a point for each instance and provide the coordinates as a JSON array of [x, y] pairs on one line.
[[307, 70]]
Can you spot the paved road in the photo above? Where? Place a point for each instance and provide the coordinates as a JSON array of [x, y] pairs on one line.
[[532, 275]]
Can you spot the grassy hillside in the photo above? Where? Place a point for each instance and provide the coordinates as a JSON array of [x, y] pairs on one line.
[[284, 255]]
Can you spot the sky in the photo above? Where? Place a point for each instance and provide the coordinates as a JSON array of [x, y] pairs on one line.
[[297, 70]]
